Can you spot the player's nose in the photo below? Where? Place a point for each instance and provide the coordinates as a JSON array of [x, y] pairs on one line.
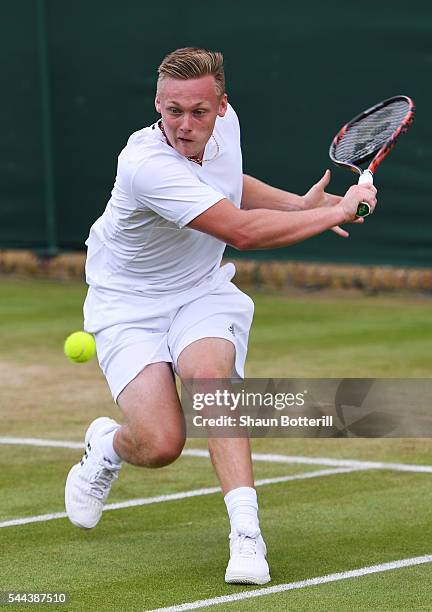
[[186, 124]]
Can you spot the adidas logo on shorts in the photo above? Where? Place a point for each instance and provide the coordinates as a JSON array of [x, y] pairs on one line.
[[231, 329]]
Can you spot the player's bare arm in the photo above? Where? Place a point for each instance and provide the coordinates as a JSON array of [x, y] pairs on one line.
[[257, 194], [268, 229]]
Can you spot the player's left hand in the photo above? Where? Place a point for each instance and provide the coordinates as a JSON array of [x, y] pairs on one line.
[[317, 197]]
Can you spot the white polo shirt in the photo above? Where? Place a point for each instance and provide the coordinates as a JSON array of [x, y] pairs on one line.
[[141, 243]]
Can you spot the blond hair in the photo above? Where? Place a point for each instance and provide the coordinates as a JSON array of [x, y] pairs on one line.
[[192, 63]]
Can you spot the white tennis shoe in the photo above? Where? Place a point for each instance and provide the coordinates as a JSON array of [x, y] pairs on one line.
[[247, 564], [89, 482]]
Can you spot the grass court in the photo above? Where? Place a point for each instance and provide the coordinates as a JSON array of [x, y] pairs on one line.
[[162, 541]]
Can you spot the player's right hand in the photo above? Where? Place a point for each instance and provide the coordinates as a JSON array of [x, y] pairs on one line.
[[353, 197]]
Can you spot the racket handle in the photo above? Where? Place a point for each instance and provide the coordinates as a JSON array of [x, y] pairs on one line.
[[365, 178]]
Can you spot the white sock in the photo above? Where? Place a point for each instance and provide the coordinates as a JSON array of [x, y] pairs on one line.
[[106, 445], [242, 506]]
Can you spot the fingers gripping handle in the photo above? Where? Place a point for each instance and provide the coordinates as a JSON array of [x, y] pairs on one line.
[[363, 209]]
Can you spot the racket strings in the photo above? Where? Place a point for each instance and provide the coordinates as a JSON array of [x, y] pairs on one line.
[[366, 136]]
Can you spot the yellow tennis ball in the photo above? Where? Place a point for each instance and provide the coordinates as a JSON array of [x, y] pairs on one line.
[[80, 347]]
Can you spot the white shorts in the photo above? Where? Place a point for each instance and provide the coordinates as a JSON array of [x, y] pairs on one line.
[[133, 331]]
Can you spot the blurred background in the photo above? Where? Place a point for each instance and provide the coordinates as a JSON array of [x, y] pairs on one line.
[[80, 77]]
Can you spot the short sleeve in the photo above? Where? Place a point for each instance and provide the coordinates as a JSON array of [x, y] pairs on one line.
[[165, 185]]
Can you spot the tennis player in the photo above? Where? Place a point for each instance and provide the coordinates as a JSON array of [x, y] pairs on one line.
[[160, 303]]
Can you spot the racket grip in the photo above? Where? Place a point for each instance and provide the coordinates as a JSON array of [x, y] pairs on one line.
[[365, 178]]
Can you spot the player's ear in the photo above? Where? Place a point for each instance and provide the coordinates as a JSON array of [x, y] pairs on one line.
[[223, 105], [158, 103]]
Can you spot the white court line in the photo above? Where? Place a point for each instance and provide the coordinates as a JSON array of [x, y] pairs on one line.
[[265, 457], [294, 459], [280, 588], [41, 442], [175, 496], [373, 465]]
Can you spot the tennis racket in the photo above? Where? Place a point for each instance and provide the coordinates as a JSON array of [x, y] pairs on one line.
[[369, 137]]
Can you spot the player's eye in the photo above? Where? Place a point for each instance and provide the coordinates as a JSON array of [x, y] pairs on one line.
[[199, 112], [174, 111]]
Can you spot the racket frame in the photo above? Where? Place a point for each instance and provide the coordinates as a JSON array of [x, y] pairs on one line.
[[377, 156]]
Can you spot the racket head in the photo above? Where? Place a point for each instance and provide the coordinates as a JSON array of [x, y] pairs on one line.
[[369, 136]]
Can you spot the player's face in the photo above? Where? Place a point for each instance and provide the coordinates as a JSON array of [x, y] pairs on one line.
[[189, 109]]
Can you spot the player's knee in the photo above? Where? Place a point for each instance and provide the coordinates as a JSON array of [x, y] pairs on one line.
[[166, 452], [160, 451]]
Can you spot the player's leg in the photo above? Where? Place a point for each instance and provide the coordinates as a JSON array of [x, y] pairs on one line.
[[214, 358], [152, 436]]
